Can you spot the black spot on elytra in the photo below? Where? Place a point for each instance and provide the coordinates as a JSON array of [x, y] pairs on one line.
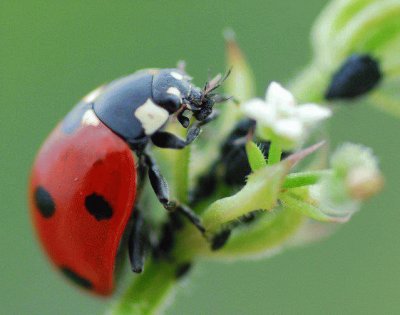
[[44, 202], [77, 279], [98, 207]]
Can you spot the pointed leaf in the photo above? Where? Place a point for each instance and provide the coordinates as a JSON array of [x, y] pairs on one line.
[[255, 156]]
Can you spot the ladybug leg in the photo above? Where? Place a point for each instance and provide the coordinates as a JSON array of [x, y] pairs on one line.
[[183, 120], [166, 140], [214, 115], [160, 187], [137, 242]]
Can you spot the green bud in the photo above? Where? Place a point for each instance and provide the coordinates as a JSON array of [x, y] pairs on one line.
[[354, 177], [357, 166]]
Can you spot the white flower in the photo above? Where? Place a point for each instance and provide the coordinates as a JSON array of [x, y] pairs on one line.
[[280, 116]]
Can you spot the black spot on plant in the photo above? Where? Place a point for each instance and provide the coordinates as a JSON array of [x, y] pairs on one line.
[[77, 279], [98, 207], [44, 202]]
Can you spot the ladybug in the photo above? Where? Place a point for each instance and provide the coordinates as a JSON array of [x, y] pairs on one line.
[[85, 181]]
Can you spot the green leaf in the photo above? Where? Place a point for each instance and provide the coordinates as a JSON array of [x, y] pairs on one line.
[[304, 178], [302, 205], [255, 156], [348, 26], [240, 83]]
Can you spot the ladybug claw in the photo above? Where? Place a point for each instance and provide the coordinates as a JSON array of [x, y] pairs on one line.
[[192, 134], [170, 206]]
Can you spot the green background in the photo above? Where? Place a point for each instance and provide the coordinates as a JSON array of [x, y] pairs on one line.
[[53, 52]]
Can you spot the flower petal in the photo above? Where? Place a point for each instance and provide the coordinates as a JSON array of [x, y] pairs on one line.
[[312, 113], [278, 96], [289, 128], [258, 110]]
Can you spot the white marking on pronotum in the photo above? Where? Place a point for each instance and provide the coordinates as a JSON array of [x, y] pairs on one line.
[[177, 75], [93, 95], [151, 116], [89, 118], [174, 91]]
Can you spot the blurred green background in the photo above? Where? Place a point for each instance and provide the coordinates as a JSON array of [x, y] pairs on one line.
[[53, 52]]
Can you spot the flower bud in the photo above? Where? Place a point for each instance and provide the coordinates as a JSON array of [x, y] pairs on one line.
[[355, 177]]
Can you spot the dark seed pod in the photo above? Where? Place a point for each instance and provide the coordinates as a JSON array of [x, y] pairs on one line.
[[357, 76]]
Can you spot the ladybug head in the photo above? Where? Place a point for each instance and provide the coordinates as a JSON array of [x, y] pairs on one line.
[[201, 101]]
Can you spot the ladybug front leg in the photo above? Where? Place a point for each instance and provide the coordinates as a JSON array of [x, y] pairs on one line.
[[166, 140], [160, 187]]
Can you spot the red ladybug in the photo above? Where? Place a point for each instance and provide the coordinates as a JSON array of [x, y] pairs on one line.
[[85, 180]]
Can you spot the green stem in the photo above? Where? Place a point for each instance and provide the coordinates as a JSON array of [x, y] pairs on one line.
[[148, 292], [295, 180], [181, 174], [260, 192], [275, 152], [180, 168]]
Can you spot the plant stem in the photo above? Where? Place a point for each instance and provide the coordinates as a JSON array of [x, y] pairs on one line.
[[260, 192], [180, 168], [295, 180], [148, 292], [181, 174], [264, 236]]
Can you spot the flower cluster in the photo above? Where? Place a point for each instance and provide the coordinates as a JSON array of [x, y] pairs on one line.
[[279, 118]]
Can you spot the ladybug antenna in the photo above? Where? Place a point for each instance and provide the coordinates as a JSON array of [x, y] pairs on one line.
[[215, 83], [221, 98]]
